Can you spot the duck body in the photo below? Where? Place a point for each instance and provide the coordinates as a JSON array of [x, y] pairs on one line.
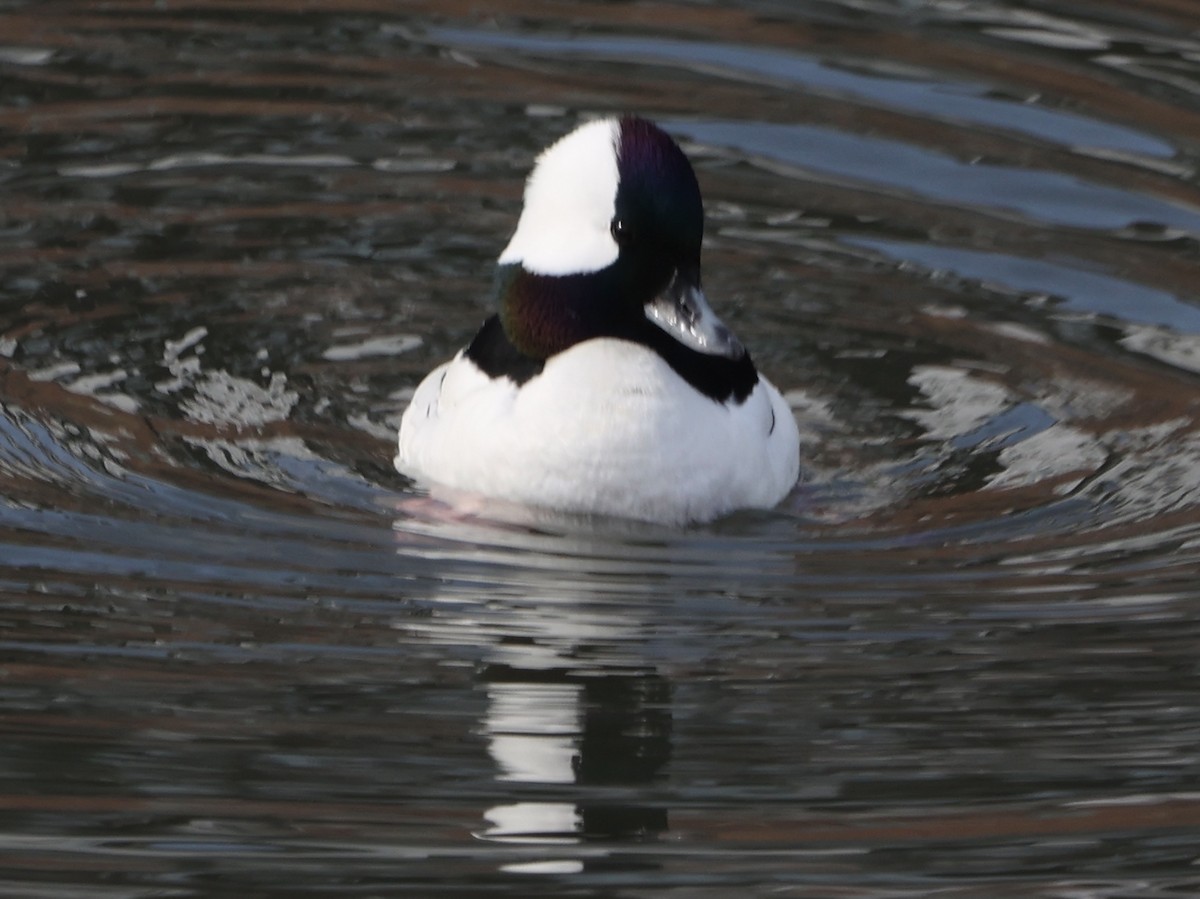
[[606, 428], [605, 384]]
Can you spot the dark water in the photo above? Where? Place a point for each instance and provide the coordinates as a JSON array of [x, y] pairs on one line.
[[239, 656]]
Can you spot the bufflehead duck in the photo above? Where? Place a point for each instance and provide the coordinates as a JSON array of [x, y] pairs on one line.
[[605, 384]]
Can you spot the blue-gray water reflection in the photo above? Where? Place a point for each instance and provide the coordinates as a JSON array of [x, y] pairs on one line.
[[240, 656], [892, 88], [1050, 198]]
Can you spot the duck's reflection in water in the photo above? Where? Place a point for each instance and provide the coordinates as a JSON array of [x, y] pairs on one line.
[[577, 719], [601, 736]]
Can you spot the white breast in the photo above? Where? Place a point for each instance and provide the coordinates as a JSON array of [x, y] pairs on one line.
[[607, 427]]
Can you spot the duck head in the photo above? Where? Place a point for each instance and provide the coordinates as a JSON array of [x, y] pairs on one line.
[[608, 245]]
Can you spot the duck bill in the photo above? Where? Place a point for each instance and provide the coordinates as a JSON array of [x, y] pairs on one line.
[[683, 312]]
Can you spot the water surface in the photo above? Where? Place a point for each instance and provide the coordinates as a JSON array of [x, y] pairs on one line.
[[241, 656]]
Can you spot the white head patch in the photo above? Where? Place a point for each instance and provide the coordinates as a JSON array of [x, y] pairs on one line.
[[570, 199]]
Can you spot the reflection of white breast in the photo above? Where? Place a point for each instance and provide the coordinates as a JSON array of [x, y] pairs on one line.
[[534, 731], [607, 427]]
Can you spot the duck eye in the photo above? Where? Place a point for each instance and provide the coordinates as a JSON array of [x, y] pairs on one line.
[[621, 232]]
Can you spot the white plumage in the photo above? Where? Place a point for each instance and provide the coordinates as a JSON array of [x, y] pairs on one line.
[[608, 427]]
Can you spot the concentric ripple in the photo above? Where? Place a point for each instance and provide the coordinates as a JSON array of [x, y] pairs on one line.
[[240, 656]]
